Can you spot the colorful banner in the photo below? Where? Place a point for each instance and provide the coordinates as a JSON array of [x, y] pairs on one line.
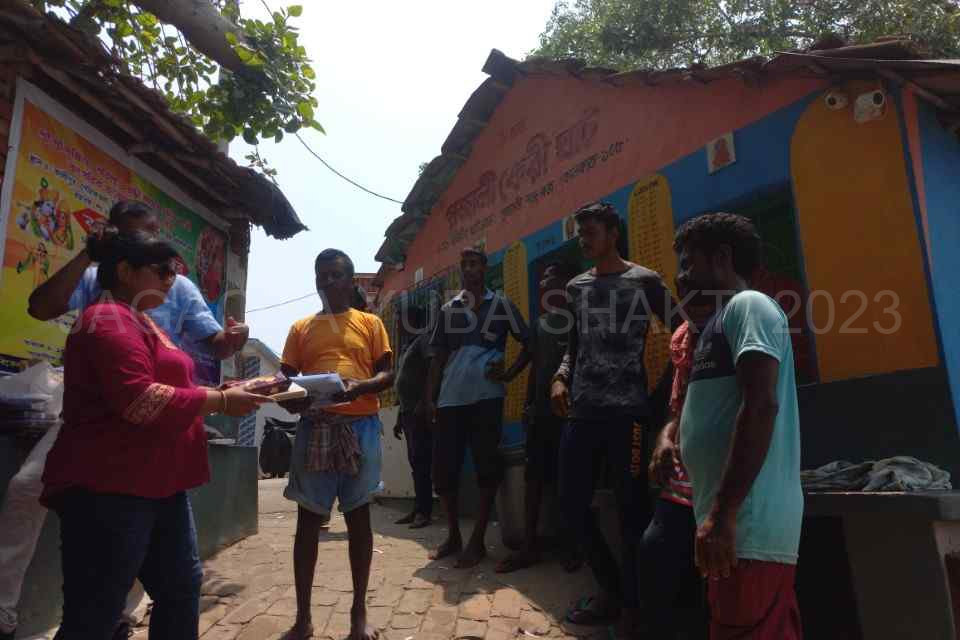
[[64, 185]]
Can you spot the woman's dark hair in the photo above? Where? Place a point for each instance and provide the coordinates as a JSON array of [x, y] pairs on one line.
[[123, 210], [138, 249], [708, 232]]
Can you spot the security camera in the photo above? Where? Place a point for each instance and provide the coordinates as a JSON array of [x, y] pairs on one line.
[[870, 106], [836, 100]]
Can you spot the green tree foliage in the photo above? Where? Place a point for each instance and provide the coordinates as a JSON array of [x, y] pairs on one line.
[[662, 34], [269, 92]]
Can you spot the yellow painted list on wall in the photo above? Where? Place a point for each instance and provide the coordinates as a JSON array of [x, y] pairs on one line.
[[860, 237], [516, 286], [650, 233]]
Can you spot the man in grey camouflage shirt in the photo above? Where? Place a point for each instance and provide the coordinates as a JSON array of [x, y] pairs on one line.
[[602, 386]]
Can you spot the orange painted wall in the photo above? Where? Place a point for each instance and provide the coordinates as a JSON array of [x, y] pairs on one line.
[[861, 244], [635, 130]]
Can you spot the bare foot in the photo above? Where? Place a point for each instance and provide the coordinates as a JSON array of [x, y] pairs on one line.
[[301, 630], [407, 519], [420, 521], [518, 560], [359, 629], [450, 547], [472, 556]]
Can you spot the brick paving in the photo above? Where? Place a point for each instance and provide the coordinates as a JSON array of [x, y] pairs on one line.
[[248, 589]]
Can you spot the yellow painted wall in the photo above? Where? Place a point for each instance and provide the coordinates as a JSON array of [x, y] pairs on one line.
[[516, 286], [859, 233], [650, 233]]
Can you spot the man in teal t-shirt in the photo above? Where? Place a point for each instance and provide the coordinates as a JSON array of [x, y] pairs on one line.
[[740, 437]]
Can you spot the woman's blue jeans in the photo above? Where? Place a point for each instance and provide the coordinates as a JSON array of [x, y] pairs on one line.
[[106, 542]]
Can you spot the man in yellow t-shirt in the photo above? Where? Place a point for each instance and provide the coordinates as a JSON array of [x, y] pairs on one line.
[[354, 344]]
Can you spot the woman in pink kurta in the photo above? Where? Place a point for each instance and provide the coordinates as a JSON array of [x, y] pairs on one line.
[[131, 445]]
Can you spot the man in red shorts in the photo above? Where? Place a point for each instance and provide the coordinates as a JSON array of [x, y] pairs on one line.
[[740, 438]]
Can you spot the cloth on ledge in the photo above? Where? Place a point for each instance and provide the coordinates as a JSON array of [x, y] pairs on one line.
[[900, 473], [333, 446]]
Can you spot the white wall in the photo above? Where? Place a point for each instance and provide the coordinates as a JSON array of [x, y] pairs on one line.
[[396, 475]]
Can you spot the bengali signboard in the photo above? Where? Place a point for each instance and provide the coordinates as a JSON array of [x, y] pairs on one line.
[[61, 179]]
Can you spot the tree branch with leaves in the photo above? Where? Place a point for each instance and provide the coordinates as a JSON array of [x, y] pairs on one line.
[[230, 75], [663, 34]]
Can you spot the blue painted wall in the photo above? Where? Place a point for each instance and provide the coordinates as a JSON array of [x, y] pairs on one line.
[[763, 164], [940, 156]]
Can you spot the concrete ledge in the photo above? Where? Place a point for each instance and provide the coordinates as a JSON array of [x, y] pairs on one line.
[[225, 512], [226, 508], [896, 544], [929, 505]]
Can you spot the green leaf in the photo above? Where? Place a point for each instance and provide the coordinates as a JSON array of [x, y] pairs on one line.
[[147, 19], [305, 109], [319, 127], [244, 52], [268, 105]]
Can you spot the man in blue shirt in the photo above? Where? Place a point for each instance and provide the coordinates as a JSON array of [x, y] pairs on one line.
[[740, 437], [185, 317], [465, 392]]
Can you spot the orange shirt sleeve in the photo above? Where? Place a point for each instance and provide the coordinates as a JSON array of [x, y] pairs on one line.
[[379, 340], [291, 349]]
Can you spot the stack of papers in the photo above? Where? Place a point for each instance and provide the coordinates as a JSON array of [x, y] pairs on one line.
[[321, 388], [293, 392]]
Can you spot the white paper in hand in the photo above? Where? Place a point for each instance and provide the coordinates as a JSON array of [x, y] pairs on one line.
[[294, 392], [321, 387]]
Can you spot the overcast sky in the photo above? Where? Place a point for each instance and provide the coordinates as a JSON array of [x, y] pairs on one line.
[[391, 78]]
